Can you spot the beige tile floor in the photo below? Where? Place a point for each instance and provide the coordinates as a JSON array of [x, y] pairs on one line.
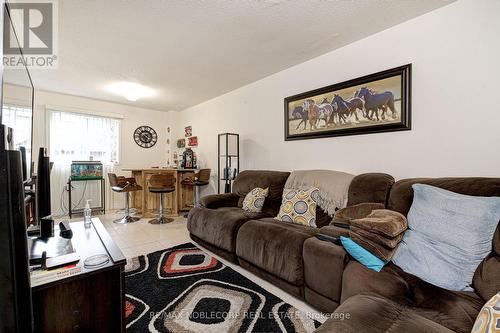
[[140, 238]]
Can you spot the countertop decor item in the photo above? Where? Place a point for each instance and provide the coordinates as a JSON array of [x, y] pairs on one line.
[[181, 143], [188, 159], [96, 261], [145, 136], [188, 131], [193, 141]]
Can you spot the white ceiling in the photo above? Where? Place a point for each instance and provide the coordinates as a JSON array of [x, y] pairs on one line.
[[191, 51]]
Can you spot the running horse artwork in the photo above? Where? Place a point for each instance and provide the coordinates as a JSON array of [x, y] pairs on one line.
[[316, 113], [374, 103], [300, 113], [348, 108]]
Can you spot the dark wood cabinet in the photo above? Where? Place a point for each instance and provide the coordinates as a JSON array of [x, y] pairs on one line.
[[89, 301]]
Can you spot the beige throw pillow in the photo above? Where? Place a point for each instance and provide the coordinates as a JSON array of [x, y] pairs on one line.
[[254, 200], [299, 206]]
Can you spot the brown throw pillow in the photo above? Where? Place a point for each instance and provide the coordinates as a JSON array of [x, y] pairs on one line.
[[345, 215], [376, 249], [334, 231], [388, 242], [383, 222]]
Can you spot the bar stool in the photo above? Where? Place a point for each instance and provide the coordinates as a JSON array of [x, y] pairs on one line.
[[124, 185], [201, 178], [161, 183]]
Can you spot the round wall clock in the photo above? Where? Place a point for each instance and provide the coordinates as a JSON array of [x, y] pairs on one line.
[[145, 136]]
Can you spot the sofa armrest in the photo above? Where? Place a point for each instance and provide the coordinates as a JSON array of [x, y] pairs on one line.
[[334, 231], [324, 265], [220, 200]]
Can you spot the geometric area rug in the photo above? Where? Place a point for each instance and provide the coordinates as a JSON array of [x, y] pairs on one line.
[[184, 289]]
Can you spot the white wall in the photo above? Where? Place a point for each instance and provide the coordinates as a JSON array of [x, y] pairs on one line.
[[456, 115], [131, 155]]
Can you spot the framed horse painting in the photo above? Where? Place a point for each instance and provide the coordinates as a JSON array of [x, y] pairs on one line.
[[375, 103]]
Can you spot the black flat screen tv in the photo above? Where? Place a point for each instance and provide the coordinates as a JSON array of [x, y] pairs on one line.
[[43, 185], [16, 314], [15, 291]]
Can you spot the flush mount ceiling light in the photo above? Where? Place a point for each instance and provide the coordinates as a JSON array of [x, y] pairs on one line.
[[130, 90]]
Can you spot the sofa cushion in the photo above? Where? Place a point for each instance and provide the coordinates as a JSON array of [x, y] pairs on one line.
[[275, 247], [215, 201], [388, 282], [322, 218], [375, 314], [370, 187], [457, 310], [218, 227], [450, 234], [274, 180], [487, 276], [486, 280], [401, 196], [319, 254]]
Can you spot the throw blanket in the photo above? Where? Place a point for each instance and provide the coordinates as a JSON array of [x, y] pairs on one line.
[[387, 223], [380, 232], [333, 186], [346, 215], [377, 230]]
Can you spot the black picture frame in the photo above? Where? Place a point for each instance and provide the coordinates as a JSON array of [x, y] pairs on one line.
[[404, 72]]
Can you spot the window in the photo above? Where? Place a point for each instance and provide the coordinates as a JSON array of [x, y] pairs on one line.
[[81, 137], [19, 119]]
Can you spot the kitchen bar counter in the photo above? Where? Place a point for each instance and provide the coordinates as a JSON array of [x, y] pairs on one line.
[[148, 204]]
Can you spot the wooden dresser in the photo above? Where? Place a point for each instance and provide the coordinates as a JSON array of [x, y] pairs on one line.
[[91, 300], [148, 204]]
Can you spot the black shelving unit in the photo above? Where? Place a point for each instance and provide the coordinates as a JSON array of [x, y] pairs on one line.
[[228, 165], [100, 209]]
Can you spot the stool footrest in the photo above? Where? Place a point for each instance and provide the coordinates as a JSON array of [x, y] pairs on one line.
[[161, 220], [127, 219]]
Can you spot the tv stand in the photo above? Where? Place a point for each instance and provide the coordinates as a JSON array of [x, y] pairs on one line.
[[84, 300]]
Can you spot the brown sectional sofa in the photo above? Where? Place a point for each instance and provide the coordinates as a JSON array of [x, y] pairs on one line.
[[324, 275], [411, 304], [215, 225]]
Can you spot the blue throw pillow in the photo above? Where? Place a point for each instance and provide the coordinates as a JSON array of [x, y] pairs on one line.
[[362, 255], [448, 236]]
